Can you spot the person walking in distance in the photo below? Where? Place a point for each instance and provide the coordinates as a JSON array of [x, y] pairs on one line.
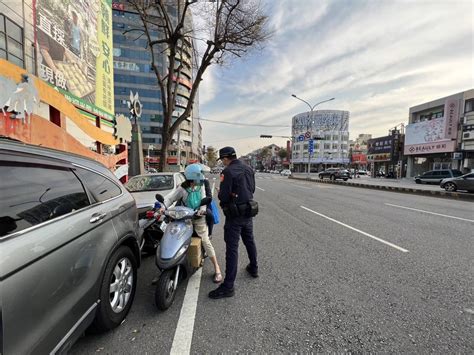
[[236, 199]]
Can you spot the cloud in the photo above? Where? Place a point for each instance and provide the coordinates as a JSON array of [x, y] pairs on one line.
[[377, 58]]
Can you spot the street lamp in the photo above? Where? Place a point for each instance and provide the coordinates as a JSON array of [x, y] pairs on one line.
[[311, 110]]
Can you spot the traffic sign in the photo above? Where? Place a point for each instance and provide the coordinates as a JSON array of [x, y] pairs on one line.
[[307, 135], [310, 146], [300, 138]]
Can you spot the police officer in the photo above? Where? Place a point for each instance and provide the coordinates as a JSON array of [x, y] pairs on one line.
[[236, 190]]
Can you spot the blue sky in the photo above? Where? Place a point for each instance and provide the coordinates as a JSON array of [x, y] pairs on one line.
[[377, 58]]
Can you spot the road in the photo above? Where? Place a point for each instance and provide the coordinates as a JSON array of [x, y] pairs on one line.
[[342, 269]]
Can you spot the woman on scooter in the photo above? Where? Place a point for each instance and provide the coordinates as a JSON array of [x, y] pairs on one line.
[[190, 194]]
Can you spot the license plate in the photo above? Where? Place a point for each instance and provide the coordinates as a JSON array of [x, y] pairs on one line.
[[163, 226]]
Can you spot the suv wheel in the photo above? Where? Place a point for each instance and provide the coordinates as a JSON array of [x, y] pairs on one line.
[[117, 290], [320, 176], [418, 181], [333, 177]]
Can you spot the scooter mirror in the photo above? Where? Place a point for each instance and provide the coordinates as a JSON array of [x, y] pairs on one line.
[[205, 201], [160, 198]]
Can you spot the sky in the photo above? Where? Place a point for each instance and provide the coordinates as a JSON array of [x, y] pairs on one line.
[[377, 59]]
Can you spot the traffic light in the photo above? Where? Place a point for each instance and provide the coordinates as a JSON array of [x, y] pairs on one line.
[[265, 136]]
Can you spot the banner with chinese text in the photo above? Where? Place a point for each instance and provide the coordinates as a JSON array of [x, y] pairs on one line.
[[75, 52]]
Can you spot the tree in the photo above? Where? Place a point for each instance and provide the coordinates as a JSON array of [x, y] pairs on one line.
[[211, 156], [282, 153], [265, 153], [232, 27]]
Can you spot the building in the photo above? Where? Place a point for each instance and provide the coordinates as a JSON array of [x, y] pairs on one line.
[[330, 132], [385, 154], [440, 134], [50, 48], [358, 151], [134, 72]]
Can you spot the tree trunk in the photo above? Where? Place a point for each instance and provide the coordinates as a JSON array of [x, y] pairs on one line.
[[163, 153]]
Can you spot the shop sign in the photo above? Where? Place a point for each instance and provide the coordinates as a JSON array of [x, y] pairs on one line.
[[380, 145], [429, 148], [76, 52], [452, 118], [457, 156]]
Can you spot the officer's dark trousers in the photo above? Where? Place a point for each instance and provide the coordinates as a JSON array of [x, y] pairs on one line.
[[234, 228]]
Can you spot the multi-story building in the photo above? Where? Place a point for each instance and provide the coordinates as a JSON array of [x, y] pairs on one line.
[[440, 134], [330, 132], [51, 47], [358, 151], [134, 72]]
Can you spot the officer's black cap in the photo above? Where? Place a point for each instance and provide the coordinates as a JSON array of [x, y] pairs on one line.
[[227, 152]]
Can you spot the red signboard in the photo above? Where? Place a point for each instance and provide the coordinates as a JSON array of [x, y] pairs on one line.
[[118, 6]]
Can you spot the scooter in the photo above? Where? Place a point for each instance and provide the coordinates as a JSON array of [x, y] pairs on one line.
[[171, 254]]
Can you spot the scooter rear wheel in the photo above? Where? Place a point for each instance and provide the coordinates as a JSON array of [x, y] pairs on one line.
[[165, 290]]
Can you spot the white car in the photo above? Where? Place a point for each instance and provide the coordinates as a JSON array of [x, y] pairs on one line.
[[144, 187], [286, 172]]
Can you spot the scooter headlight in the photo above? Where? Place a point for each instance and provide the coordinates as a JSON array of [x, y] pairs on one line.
[[182, 250], [177, 214]]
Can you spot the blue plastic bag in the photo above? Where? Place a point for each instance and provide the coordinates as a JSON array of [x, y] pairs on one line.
[[215, 212]]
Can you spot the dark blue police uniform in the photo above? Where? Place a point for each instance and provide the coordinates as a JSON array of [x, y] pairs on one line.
[[237, 185]]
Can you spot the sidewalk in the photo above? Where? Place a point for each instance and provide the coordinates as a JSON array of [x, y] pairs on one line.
[[406, 185]]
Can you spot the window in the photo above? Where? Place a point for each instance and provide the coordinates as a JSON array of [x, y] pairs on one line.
[[99, 186], [334, 146], [11, 41], [469, 105], [33, 194], [327, 146]]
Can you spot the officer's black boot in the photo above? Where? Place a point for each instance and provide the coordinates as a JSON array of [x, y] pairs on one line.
[[221, 292]]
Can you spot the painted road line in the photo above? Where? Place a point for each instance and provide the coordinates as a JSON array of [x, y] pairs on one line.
[[259, 188], [436, 214], [183, 335], [303, 187], [357, 230]]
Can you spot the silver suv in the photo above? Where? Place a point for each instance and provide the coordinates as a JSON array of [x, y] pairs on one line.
[[69, 249]]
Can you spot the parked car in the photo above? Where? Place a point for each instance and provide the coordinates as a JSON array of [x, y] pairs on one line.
[[144, 188], [436, 176], [335, 173], [464, 182], [70, 251], [286, 172]]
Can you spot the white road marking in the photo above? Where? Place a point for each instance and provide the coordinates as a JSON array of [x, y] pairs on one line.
[[436, 214], [183, 335], [303, 187], [358, 230], [259, 188]]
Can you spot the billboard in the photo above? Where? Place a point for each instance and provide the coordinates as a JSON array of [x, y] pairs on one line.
[[75, 51], [428, 137], [380, 149], [321, 120]]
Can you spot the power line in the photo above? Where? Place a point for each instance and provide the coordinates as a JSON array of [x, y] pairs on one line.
[[243, 124]]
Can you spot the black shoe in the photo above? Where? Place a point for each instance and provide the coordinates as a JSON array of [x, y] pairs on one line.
[[252, 272], [221, 292]]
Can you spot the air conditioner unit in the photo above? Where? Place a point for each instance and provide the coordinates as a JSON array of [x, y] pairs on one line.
[[468, 136]]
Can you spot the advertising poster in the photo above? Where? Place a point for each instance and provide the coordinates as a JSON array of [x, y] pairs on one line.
[[380, 149], [75, 51], [428, 137]]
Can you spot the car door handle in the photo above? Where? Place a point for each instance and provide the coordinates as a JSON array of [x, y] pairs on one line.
[[97, 217]]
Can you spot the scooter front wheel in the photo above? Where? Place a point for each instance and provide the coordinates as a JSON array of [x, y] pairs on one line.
[[165, 290]]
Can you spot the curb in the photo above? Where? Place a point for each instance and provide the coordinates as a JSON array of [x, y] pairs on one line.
[[407, 190]]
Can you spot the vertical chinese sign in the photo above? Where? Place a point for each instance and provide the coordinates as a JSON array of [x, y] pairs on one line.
[[104, 64], [74, 41]]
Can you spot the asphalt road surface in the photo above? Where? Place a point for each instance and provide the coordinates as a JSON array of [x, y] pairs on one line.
[[342, 269]]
